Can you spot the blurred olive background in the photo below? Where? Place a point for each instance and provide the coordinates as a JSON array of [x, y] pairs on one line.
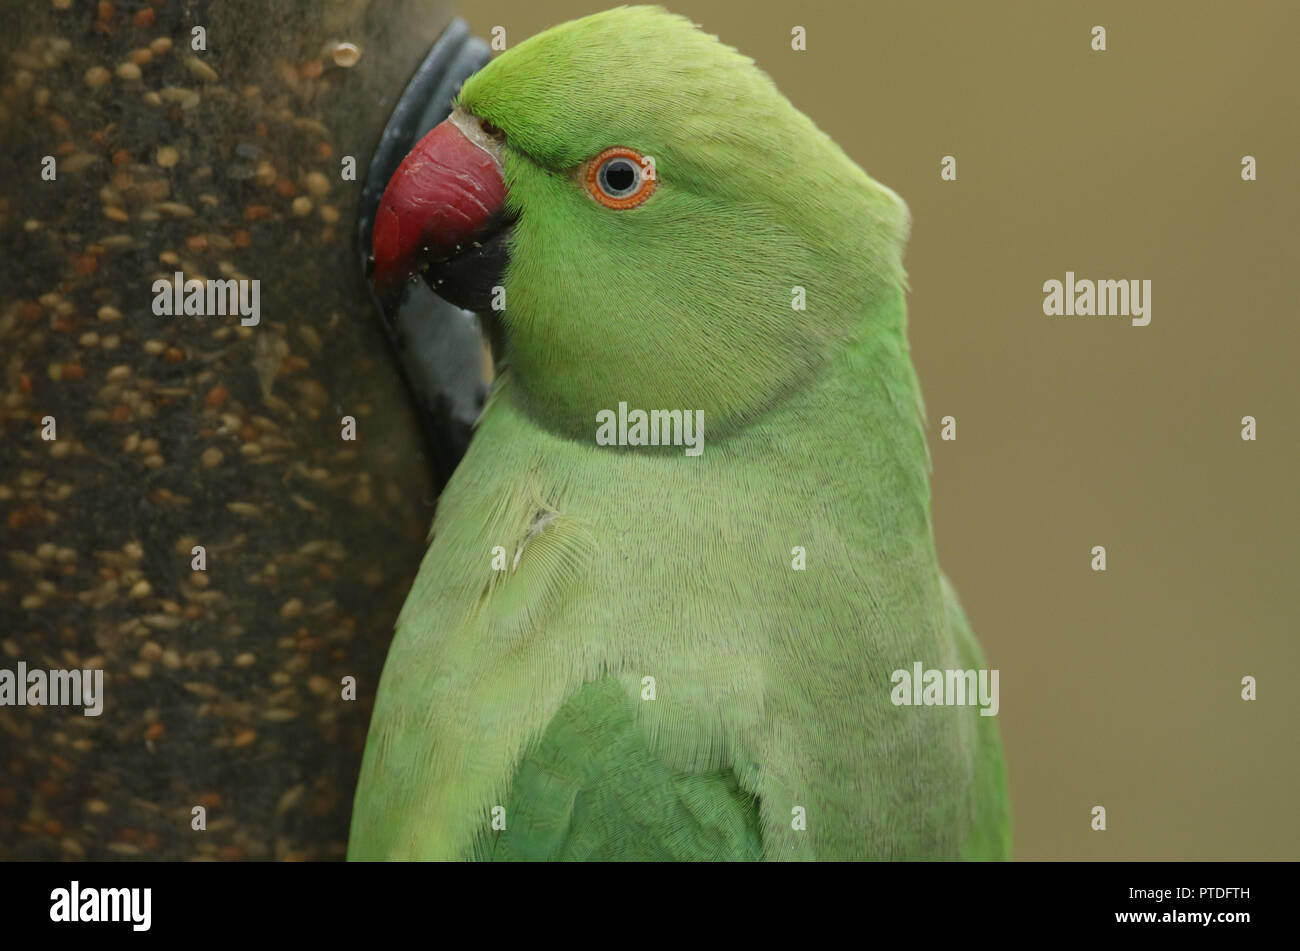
[[1119, 689], [1122, 688]]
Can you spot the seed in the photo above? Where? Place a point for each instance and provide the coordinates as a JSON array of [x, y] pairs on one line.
[[201, 70], [217, 396], [311, 337], [175, 208], [265, 173], [291, 608], [245, 660], [345, 55], [96, 76], [79, 162], [141, 589], [141, 57], [155, 732], [161, 46], [108, 313], [128, 71], [144, 18], [317, 183], [211, 458], [154, 347], [167, 156], [302, 206]]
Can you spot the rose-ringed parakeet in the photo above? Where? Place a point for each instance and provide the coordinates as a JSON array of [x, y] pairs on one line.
[[635, 651]]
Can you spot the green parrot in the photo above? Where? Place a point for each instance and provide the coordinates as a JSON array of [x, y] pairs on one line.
[[683, 650]]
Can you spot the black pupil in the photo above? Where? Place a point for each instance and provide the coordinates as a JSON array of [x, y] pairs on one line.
[[618, 176]]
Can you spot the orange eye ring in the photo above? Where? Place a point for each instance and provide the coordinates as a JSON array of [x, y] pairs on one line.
[[620, 178]]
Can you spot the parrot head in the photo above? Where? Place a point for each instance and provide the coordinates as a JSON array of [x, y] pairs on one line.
[[641, 216]]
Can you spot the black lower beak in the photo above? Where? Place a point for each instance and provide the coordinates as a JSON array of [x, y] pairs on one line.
[[472, 278]]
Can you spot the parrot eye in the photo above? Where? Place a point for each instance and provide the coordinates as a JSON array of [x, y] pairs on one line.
[[620, 178]]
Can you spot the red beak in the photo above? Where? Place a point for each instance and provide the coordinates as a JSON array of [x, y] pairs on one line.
[[447, 193]]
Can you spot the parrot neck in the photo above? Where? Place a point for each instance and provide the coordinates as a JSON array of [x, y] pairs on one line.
[[860, 420]]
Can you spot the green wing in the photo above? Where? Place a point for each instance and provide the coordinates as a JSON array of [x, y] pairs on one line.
[[591, 790]]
